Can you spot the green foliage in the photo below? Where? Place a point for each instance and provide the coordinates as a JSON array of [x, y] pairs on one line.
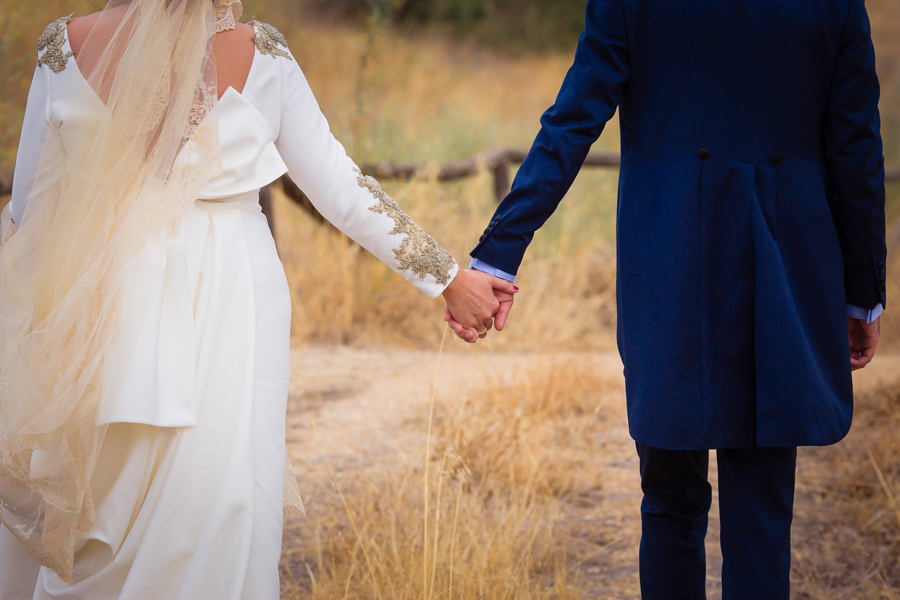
[[512, 24], [524, 24]]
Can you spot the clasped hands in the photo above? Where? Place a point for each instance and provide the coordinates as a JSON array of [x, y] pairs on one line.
[[477, 302]]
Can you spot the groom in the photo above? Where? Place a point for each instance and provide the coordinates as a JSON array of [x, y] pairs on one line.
[[751, 232]]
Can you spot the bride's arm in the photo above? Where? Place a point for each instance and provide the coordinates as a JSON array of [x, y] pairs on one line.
[[356, 204], [347, 198], [34, 132]]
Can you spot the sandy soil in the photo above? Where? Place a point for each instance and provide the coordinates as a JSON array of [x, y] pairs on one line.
[[360, 410]]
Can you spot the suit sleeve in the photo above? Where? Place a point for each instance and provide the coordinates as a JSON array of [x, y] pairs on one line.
[[349, 200], [856, 162], [590, 93]]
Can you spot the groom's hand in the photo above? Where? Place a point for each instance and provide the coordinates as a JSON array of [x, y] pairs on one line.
[[505, 299], [472, 304], [863, 339], [506, 302]]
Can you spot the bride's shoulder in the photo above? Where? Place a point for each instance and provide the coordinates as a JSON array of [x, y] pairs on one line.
[[101, 26], [269, 41], [51, 45], [80, 27], [78, 30]]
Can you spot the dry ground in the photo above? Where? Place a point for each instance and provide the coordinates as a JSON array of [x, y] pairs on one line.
[[364, 414]]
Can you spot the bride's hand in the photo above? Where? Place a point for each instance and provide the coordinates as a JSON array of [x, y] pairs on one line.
[[506, 302], [471, 301]]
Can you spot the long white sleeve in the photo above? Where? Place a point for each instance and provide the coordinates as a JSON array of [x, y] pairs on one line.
[[352, 202], [34, 133]]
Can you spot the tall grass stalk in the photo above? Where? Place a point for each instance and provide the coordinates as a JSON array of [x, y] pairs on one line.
[[437, 371]]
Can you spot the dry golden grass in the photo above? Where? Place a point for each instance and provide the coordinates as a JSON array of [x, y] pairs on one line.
[[848, 508], [533, 494], [534, 434], [341, 294], [427, 98], [460, 108], [481, 543], [504, 462]]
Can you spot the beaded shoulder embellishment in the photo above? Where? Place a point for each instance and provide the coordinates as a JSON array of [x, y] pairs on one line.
[[52, 40], [269, 40], [418, 251]]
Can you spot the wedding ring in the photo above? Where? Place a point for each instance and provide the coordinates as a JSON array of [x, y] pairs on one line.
[[483, 332]]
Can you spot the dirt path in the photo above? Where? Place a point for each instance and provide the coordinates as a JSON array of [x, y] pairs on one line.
[[359, 411]]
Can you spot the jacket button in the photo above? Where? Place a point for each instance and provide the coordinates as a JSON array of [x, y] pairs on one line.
[[777, 159], [481, 239], [881, 266], [487, 231], [703, 153]]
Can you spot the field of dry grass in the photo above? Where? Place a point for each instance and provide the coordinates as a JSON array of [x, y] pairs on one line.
[[530, 478], [532, 481], [508, 472], [426, 98], [568, 274]]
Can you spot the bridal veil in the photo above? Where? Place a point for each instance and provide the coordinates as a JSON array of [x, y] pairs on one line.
[[151, 146]]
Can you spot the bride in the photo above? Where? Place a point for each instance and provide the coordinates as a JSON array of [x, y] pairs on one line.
[[144, 314]]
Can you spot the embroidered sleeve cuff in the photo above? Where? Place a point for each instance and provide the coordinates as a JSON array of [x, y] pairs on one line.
[[855, 312], [486, 268]]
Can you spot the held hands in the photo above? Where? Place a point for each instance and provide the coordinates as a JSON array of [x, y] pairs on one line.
[[474, 299], [863, 339]]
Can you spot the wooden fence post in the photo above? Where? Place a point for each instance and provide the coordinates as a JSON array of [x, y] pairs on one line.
[[265, 203], [501, 180], [293, 191]]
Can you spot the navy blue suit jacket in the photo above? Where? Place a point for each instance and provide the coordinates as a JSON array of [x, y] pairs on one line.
[[750, 208]]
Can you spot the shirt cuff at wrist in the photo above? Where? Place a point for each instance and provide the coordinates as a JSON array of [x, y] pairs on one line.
[[486, 268], [856, 312]]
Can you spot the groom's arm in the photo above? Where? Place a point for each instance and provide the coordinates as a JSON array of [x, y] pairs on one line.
[[856, 166], [592, 90]]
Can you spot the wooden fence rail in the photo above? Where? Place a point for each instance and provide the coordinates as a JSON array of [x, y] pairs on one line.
[[497, 161]]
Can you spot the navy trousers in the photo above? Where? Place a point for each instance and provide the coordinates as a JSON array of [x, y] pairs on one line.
[[756, 500]]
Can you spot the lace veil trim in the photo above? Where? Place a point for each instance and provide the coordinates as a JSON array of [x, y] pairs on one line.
[[228, 13]]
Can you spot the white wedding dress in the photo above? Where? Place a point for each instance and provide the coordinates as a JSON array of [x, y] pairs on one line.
[[193, 477]]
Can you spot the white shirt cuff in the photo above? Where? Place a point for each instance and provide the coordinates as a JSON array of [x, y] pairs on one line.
[[855, 312], [486, 268]]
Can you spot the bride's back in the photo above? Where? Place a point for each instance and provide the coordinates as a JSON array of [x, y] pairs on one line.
[[234, 51], [233, 48]]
